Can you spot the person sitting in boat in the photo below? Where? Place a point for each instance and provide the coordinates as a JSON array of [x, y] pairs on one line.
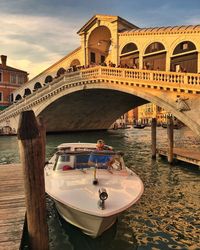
[[100, 160]]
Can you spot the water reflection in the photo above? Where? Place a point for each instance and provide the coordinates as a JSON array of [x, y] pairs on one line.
[[167, 215]]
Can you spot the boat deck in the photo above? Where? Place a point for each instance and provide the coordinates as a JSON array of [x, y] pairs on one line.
[[12, 206], [183, 154]]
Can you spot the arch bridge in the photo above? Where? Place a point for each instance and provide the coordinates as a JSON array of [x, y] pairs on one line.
[[137, 66], [94, 98]]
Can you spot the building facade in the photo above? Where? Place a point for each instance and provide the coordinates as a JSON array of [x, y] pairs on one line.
[[148, 111], [10, 79]]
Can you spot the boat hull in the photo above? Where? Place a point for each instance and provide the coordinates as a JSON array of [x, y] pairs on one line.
[[91, 225]]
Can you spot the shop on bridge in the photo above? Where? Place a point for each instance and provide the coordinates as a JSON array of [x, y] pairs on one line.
[[129, 56], [155, 57], [184, 58]]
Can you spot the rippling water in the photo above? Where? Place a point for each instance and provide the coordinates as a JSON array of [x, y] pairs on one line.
[[167, 215]]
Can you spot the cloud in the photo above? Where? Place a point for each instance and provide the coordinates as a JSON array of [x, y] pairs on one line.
[[36, 40], [35, 33]]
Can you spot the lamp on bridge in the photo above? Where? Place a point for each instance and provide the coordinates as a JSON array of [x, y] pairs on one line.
[[101, 42]]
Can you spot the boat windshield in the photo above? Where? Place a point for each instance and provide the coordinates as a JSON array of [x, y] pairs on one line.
[[81, 160]]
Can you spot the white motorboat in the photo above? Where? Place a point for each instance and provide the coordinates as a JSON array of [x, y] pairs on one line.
[[90, 197]]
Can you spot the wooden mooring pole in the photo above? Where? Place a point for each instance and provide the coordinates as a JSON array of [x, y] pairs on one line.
[[153, 137], [170, 135], [32, 155]]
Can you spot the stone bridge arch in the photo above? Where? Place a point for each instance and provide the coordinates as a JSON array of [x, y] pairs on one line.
[[98, 106]]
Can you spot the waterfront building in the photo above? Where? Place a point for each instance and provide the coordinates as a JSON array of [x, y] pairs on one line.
[[129, 118], [10, 79], [148, 111], [132, 116]]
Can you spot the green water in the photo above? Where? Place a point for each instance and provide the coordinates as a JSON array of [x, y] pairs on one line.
[[167, 215]]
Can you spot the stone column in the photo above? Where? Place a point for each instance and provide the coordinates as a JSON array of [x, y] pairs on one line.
[[140, 61], [198, 63], [114, 44], [168, 62]]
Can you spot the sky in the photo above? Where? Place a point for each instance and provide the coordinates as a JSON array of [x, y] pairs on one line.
[[37, 33]]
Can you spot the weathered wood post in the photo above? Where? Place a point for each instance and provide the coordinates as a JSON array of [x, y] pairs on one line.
[[170, 135], [32, 154], [42, 130], [153, 138]]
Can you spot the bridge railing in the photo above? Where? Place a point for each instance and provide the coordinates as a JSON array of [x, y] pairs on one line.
[[56, 82], [183, 79], [187, 81]]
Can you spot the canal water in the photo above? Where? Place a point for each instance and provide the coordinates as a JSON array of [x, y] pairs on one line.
[[167, 215]]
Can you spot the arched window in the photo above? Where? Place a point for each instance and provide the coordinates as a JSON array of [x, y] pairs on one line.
[[154, 47], [155, 57], [99, 45], [183, 47], [128, 48], [185, 58], [37, 86], [75, 62], [129, 57], [27, 92], [18, 97], [48, 79], [60, 72]]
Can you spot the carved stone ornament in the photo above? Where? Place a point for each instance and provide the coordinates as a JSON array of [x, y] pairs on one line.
[[182, 104]]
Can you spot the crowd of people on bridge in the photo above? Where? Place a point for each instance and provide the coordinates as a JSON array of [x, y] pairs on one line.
[[121, 65], [109, 64]]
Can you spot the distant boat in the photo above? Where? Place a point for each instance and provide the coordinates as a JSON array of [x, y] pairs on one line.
[[124, 127], [139, 126], [164, 125], [120, 126], [176, 126]]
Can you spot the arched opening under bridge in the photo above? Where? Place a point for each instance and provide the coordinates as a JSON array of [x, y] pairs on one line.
[[91, 109]]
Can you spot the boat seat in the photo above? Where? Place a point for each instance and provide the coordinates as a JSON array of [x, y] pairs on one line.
[[81, 165], [66, 167], [81, 161]]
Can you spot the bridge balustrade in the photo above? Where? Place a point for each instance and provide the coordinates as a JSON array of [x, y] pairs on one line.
[[194, 80], [186, 81]]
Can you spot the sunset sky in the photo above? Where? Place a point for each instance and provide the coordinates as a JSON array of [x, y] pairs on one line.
[[37, 33]]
